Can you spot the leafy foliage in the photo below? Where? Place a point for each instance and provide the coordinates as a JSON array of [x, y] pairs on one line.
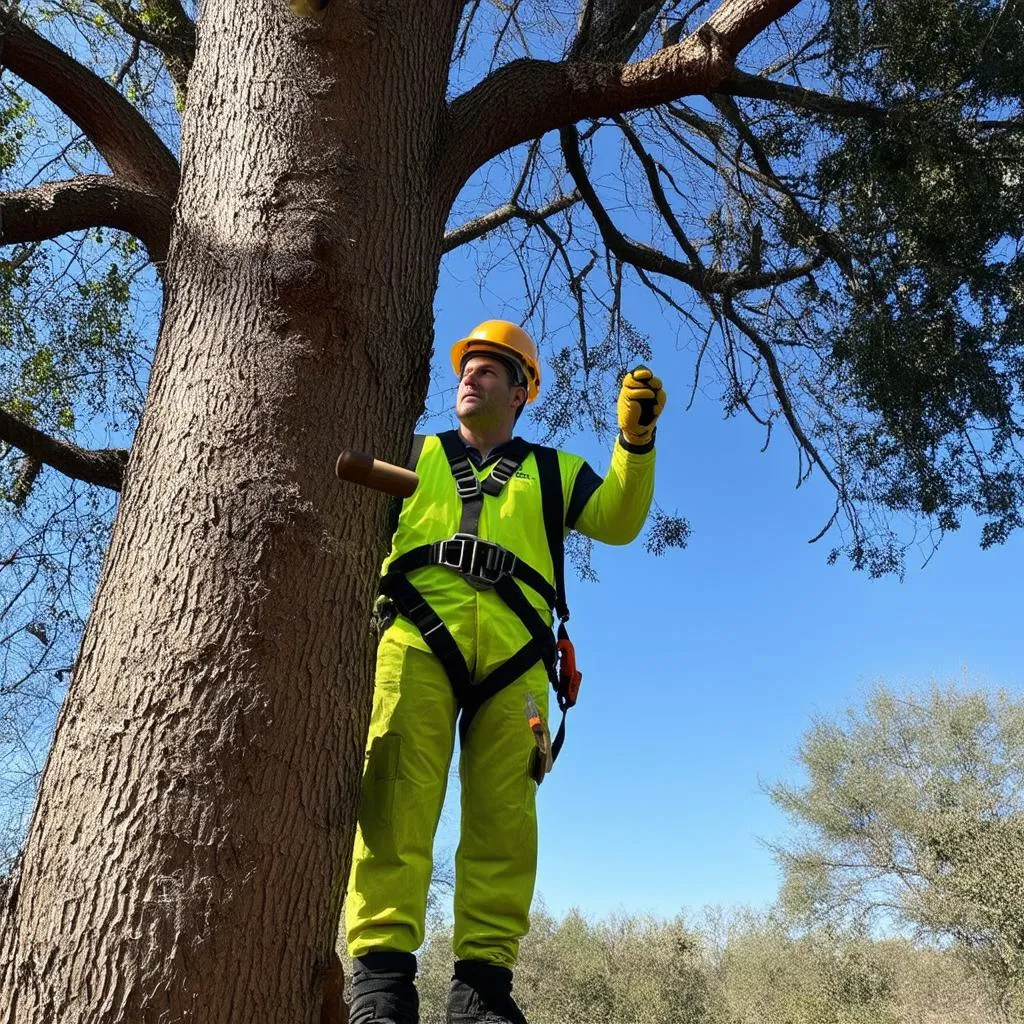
[[913, 812], [49, 561], [74, 352], [76, 327], [742, 968], [15, 116], [928, 207]]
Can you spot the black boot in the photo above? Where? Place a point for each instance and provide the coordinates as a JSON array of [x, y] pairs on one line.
[[481, 993], [383, 989]]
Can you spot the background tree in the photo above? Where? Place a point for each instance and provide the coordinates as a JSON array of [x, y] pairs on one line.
[[913, 813], [736, 968], [78, 314], [626, 968], [815, 242]]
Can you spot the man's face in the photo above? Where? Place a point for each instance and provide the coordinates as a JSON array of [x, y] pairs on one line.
[[485, 397]]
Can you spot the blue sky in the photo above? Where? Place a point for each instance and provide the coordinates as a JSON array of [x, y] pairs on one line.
[[703, 668]]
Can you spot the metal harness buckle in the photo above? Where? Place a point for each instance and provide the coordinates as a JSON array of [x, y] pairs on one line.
[[466, 483], [479, 562], [500, 475]]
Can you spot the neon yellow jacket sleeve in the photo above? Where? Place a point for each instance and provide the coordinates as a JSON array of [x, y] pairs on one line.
[[617, 510]]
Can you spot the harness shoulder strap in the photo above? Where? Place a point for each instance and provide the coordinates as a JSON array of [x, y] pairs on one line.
[[466, 482], [553, 506], [418, 440], [468, 486], [514, 456]]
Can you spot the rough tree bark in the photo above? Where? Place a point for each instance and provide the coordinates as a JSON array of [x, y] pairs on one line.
[[191, 840]]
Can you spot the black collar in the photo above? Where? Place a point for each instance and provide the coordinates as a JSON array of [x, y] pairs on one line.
[[493, 455]]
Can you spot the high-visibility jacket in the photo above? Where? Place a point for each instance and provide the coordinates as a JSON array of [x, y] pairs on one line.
[[611, 511]]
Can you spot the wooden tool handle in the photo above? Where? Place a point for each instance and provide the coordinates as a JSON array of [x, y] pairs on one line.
[[370, 472]]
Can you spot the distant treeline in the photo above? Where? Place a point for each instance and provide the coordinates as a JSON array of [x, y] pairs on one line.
[[745, 969]]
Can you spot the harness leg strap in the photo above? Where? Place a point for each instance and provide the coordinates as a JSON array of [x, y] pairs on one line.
[[438, 637], [540, 647]]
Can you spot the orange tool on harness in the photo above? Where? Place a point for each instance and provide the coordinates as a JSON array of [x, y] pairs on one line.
[[569, 677]]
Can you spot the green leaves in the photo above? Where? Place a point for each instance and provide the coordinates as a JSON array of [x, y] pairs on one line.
[[921, 382], [70, 353], [913, 812], [934, 48], [15, 121], [729, 967]]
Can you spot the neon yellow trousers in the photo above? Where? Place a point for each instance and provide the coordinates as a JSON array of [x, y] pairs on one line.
[[409, 751]]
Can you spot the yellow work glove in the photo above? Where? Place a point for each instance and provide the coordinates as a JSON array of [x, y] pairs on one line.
[[640, 403]]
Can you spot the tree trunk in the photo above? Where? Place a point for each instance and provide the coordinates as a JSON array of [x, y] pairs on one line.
[[190, 845]]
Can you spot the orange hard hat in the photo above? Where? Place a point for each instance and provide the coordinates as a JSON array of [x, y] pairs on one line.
[[504, 339]]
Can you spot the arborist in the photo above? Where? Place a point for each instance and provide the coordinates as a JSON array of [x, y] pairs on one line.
[[468, 591]]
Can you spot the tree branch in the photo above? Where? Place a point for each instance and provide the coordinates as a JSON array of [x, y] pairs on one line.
[[826, 242], [104, 467], [480, 226], [611, 30], [739, 83], [93, 200], [702, 279], [119, 132], [781, 392], [166, 28], [526, 98], [658, 193]]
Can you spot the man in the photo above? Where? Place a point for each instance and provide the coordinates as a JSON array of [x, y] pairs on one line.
[[474, 572]]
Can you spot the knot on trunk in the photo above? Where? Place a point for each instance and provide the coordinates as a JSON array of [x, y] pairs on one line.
[[303, 266]]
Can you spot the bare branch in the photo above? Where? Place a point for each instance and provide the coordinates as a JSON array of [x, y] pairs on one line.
[[119, 132], [826, 242], [781, 391], [93, 200], [739, 83], [166, 27], [703, 279], [104, 467], [132, 60], [526, 98], [480, 226], [467, 24], [658, 193]]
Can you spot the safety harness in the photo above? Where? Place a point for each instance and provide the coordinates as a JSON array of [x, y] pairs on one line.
[[486, 565]]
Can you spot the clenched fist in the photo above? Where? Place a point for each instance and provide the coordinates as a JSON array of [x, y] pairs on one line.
[[640, 403]]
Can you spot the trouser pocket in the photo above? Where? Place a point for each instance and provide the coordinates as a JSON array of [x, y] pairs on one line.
[[382, 764]]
